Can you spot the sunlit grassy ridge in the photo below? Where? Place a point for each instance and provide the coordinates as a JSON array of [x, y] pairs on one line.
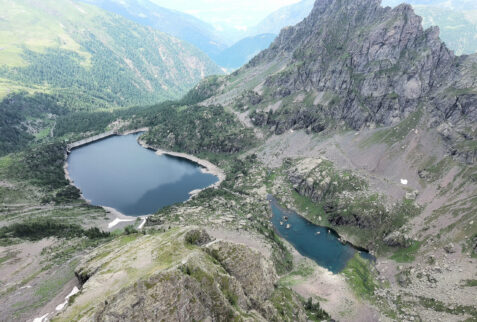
[[24, 24]]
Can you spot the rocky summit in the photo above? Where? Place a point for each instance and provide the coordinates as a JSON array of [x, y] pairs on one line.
[[374, 66]]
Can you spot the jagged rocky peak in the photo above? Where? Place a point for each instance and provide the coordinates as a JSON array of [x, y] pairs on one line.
[[376, 65], [379, 60], [362, 28]]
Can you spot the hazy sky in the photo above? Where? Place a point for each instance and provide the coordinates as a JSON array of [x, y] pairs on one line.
[[235, 13]]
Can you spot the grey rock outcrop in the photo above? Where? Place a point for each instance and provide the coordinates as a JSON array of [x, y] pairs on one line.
[[403, 278], [255, 274], [318, 180], [379, 65], [450, 248], [343, 196], [397, 239]]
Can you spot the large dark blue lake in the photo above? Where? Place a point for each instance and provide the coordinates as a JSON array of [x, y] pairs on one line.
[[315, 242], [119, 173]]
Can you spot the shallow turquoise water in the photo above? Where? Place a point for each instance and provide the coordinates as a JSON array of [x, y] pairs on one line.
[[315, 242], [117, 172]]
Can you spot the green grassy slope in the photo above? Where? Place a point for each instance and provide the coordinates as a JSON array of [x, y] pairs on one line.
[[92, 58]]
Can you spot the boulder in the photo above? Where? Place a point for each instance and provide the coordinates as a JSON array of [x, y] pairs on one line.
[[403, 279], [197, 237], [450, 248], [431, 279], [397, 239], [412, 195]]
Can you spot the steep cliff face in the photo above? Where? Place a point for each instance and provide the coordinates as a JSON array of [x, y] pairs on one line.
[[364, 65]]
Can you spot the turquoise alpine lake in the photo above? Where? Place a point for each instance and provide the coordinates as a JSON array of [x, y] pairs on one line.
[[119, 173], [318, 243]]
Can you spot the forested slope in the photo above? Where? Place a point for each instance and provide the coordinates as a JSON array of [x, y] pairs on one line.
[[62, 57], [92, 58], [178, 24]]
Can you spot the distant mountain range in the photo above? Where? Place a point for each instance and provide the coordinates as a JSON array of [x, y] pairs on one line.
[[263, 34], [203, 35], [286, 16], [28, 27], [450, 4], [244, 50], [183, 26]]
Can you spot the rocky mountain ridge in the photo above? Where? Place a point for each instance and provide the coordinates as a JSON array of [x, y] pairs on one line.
[[376, 65], [179, 275], [455, 18]]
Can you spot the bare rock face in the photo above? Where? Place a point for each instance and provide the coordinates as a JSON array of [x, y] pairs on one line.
[[373, 57], [256, 275], [175, 295], [378, 64]]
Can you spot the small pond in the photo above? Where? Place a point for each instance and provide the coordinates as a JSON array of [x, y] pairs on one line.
[[318, 243]]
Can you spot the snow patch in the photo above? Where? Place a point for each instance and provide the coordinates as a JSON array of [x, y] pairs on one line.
[[41, 318], [74, 291], [143, 222]]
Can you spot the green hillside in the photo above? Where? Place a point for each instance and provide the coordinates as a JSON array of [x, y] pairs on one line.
[[60, 57], [91, 58]]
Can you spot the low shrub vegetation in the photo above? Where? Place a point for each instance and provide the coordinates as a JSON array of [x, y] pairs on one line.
[[34, 230]]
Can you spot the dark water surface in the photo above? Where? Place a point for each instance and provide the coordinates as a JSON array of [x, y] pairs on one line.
[[117, 172], [313, 241]]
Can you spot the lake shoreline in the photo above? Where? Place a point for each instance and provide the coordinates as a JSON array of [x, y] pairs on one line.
[[100, 137], [207, 166], [118, 217], [340, 237]]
